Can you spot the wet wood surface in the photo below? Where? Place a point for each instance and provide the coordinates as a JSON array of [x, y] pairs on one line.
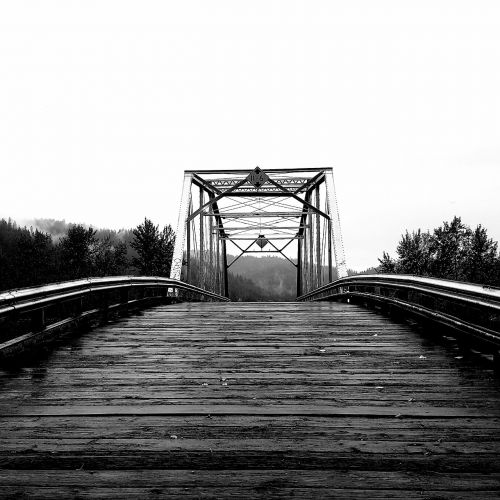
[[269, 400]]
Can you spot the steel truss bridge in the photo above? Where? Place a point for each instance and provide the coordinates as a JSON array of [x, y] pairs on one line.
[[289, 212], [366, 387]]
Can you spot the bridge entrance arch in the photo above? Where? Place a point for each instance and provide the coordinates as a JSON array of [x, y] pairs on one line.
[[291, 212]]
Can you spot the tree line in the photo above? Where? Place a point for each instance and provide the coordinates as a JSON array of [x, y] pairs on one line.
[[452, 251], [31, 257]]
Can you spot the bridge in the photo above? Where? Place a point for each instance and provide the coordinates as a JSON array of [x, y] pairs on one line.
[[292, 213], [380, 386]]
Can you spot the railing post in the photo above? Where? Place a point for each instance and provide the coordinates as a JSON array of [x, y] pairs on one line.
[[496, 361], [38, 319], [104, 306], [124, 299]]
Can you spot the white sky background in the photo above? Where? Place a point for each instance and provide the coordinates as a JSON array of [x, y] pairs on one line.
[[104, 104]]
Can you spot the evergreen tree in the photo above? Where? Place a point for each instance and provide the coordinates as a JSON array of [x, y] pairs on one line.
[[44, 263], [77, 250], [146, 244], [154, 249], [166, 250]]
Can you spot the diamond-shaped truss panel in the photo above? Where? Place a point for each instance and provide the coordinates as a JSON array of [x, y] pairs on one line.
[[257, 178]]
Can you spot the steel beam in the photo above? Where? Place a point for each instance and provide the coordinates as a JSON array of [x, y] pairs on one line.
[[253, 215], [202, 244], [217, 198], [267, 170], [318, 240], [177, 258], [263, 228], [268, 238], [337, 243], [300, 200], [205, 184], [299, 268], [224, 267]]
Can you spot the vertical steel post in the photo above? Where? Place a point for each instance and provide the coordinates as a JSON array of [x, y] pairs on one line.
[[305, 260], [224, 267], [211, 281], [318, 240], [311, 251], [176, 268], [202, 249], [299, 267], [330, 256], [333, 212], [188, 250], [218, 283]]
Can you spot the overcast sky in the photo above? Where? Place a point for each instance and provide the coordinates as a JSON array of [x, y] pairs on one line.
[[103, 105]]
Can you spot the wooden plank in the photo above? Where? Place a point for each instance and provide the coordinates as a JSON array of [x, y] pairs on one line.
[[274, 410], [251, 479], [144, 427], [180, 443], [252, 459], [273, 490]]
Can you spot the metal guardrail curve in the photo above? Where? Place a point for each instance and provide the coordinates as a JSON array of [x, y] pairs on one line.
[[473, 310], [77, 300]]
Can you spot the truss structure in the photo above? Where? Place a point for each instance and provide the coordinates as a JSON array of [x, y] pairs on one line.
[[225, 214]]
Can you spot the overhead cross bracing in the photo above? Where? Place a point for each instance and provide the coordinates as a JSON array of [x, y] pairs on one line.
[[290, 212]]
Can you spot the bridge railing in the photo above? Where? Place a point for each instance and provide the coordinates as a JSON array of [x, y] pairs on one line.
[[29, 315], [472, 310]]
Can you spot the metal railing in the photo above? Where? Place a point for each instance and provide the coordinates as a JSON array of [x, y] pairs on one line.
[[29, 315], [472, 310]]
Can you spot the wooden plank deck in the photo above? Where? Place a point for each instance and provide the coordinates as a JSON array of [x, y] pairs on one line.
[[270, 400]]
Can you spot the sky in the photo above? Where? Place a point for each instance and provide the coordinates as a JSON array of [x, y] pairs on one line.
[[104, 104]]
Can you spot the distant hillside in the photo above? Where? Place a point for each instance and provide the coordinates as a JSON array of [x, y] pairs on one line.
[[262, 279], [58, 228]]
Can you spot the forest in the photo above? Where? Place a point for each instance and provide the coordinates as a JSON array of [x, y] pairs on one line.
[[452, 251], [52, 251], [49, 251]]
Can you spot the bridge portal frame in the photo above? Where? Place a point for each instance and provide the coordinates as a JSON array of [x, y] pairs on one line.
[[300, 205]]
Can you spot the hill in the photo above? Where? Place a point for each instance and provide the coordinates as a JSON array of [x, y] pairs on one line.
[[262, 279]]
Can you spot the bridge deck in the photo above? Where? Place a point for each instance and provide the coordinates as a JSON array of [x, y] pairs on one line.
[[244, 400]]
